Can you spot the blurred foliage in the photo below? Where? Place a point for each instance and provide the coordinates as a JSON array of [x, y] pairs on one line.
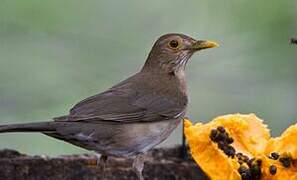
[[54, 53]]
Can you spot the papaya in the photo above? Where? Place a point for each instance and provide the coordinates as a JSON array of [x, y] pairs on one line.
[[239, 146]]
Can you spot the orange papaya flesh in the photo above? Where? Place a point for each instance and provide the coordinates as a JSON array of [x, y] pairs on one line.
[[239, 146]]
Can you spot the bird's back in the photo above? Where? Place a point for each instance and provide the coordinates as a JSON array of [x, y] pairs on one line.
[[142, 97]]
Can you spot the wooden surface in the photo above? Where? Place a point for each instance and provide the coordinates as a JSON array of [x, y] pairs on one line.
[[160, 164]]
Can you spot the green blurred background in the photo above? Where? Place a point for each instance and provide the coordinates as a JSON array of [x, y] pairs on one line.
[[54, 53]]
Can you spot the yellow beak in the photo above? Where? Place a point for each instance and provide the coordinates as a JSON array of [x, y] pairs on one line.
[[204, 45]]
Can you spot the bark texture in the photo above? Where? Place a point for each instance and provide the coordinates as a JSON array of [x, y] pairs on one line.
[[160, 164]]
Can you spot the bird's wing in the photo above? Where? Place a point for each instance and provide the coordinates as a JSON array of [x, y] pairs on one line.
[[117, 106]]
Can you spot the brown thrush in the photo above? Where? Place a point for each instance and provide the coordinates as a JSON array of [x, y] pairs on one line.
[[135, 115]]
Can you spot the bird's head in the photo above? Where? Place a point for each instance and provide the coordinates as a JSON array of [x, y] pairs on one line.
[[171, 52]]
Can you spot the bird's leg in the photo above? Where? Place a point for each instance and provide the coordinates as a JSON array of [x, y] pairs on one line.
[[138, 164], [102, 163]]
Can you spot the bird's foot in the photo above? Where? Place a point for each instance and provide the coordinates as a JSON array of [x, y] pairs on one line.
[[101, 163], [138, 165]]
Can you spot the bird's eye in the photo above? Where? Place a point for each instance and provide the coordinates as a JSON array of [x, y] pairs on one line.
[[173, 44]]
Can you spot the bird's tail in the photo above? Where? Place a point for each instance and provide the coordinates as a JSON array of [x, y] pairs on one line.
[[29, 127]]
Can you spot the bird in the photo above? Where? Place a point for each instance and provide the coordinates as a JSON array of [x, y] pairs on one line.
[[135, 115]]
